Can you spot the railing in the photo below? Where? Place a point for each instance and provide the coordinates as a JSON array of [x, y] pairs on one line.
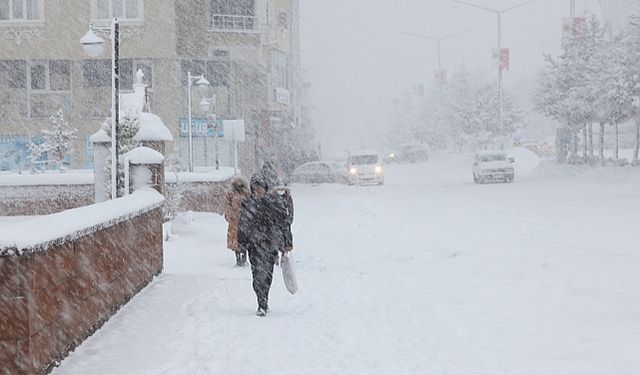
[[233, 23]]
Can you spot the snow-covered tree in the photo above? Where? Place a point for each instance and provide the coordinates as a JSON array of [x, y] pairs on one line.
[[35, 153], [58, 140], [174, 192], [129, 126], [465, 113]]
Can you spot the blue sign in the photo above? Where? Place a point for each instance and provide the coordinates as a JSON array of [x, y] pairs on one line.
[[201, 128], [14, 151]]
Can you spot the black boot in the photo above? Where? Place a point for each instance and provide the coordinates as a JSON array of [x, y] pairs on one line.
[[239, 262], [243, 258]]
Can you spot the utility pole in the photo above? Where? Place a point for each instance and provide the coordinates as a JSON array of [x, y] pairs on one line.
[[499, 13], [572, 9], [438, 41]]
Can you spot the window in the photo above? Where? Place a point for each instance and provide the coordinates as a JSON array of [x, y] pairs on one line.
[[13, 74], [129, 67], [52, 75], [234, 7], [196, 67], [13, 89], [279, 74], [219, 69], [233, 15], [122, 9], [20, 10], [49, 87], [96, 73]]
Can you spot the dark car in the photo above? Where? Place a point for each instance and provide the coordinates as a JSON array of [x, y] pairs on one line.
[[414, 152]]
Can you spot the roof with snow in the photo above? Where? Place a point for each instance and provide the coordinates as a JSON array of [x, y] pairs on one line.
[[100, 137], [152, 129], [144, 155]]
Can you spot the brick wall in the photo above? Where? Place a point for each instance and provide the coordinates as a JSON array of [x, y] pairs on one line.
[[43, 199], [48, 199], [56, 295], [203, 196]]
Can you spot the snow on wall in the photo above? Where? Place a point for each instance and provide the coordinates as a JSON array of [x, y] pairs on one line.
[[144, 155], [70, 177], [152, 129], [30, 235]]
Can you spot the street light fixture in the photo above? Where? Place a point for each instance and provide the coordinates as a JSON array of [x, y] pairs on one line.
[[203, 86], [499, 13], [438, 40], [93, 46]]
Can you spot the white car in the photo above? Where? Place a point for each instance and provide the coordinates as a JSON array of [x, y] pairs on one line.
[[493, 166], [365, 168], [319, 172]]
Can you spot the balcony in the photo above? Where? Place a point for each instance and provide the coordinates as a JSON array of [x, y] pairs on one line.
[[233, 23]]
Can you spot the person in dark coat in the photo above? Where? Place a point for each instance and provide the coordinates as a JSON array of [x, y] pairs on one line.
[[233, 203], [287, 200], [260, 233], [269, 173]]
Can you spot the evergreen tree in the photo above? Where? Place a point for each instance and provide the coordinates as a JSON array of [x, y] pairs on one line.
[[129, 126], [58, 141]]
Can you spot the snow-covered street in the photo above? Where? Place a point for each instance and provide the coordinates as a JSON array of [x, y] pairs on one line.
[[428, 274]]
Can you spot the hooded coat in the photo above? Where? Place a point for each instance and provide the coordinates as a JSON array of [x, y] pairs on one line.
[[232, 206], [260, 226]]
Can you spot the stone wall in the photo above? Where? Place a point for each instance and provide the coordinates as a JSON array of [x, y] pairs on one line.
[[55, 295], [48, 199], [43, 199]]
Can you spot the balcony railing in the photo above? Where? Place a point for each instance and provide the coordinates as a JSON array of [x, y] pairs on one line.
[[233, 23]]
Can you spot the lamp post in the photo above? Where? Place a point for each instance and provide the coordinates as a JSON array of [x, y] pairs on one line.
[[499, 13], [205, 104], [438, 41], [636, 106], [93, 46], [202, 84]]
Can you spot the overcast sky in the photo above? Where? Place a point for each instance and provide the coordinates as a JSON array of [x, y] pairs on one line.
[[357, 60]]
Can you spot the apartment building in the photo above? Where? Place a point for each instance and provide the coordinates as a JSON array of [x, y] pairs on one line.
[[247, 49]]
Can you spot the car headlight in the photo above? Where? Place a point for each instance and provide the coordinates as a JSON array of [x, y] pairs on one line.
[[353, 171], [392, 156], [378, 169]]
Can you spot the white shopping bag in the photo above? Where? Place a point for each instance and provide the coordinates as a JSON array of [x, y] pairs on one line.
[[289, 276]]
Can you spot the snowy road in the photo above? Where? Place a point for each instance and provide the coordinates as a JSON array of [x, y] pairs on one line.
[[428, 274]]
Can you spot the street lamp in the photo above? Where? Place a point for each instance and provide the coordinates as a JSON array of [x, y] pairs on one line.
[[438, 41], [203, 85], [93, 46], [205, 105], [499, 13]]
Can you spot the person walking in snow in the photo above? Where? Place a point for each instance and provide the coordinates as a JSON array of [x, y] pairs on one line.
[[232, 204], [260, 233], [285, 194], [280, 191]]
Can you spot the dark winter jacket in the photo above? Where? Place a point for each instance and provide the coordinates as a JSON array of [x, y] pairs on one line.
[[260, 227], [287, 201]]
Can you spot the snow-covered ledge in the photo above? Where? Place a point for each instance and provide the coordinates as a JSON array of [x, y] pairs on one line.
[[33, 235]]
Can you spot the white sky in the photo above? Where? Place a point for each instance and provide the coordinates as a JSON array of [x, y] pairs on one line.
[[357, 60]]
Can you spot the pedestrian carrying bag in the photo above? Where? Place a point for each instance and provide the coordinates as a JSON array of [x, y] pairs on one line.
[[288, 274]]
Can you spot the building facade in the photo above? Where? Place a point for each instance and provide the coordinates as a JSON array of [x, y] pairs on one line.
[[247, 49]]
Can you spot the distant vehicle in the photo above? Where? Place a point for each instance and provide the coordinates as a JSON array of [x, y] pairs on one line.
[[414, 152], [319, 172], [391, 157], [365, 168], [493, 166]]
